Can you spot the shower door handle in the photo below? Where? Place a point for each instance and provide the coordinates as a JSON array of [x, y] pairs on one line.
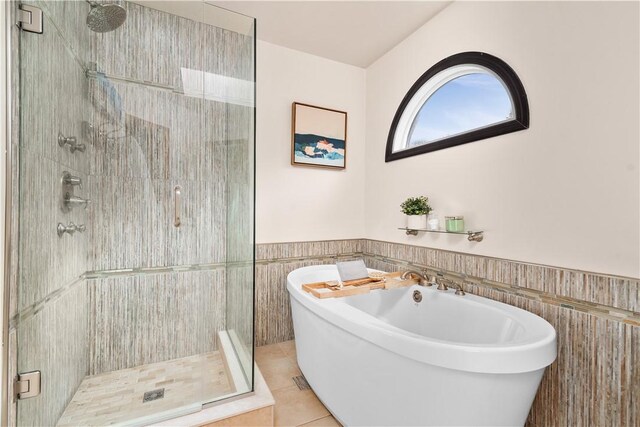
[[177, 194]]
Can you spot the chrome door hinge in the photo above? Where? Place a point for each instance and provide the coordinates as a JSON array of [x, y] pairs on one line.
[[27, 385], [30, 18]]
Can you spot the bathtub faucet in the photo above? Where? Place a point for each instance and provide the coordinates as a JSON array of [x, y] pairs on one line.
[[422, 279], [439, 280], [444, 284], [458, 287]]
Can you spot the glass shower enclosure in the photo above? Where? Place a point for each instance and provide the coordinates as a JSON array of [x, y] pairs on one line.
[[132, 220]]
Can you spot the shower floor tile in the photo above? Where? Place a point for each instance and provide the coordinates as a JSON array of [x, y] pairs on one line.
[[117, 397]]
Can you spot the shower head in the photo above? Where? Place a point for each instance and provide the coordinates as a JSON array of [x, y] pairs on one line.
[[106, 16]]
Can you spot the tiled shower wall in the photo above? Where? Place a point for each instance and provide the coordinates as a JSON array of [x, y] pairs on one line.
[[145, 318], [153, 132], [596, 377]]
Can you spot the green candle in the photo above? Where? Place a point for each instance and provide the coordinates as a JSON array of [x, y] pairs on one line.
[[449, 223], [454, 224]]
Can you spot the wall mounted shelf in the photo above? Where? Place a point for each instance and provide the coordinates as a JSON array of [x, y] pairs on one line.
[[472, 236]]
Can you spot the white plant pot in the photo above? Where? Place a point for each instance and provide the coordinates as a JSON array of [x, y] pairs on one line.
[[417, 222]]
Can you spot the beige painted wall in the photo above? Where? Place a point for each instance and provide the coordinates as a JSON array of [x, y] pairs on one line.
[[564, 192], [304, 203]]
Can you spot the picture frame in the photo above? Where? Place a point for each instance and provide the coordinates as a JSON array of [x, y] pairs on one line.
[[318, 136]]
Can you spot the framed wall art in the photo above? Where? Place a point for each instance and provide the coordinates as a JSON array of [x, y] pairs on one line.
[[318, 136]]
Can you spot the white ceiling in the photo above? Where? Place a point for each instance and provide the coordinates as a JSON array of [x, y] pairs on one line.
[[352, 32]]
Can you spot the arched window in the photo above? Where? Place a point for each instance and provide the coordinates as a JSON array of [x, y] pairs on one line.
[[463, 98]]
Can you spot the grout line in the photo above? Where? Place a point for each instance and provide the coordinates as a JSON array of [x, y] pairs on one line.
[[30, 311], [316, 419], [91, 74], [328, 257], [310, 241], [100, 274]]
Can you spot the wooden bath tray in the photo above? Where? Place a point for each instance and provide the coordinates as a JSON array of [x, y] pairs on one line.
[[330, 289]]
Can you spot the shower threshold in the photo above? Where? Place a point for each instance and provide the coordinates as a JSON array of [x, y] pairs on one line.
[[154, 392]]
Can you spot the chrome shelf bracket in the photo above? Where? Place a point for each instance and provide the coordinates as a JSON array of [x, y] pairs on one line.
[[475, 236]]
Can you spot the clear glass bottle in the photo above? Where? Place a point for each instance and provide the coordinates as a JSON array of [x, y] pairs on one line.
[[433, 223]]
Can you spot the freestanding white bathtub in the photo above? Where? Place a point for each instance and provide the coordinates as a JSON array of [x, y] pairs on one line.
[[381, 359]]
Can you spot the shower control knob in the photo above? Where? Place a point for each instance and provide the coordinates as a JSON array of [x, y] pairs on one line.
[[66, 140], [72, 142], [69, 229], [68, 179], [71, 201], [78, 147]]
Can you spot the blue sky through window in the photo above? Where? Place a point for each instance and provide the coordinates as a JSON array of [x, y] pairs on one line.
[[463, 104]]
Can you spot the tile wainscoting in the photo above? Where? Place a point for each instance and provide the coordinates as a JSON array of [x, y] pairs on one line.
[[594, 381], [273, 262]]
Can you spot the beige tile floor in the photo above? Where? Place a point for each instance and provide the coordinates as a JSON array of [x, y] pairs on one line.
[[115, 397], [294, 407]]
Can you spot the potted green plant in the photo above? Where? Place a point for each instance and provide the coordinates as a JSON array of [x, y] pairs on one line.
[[416, 209]]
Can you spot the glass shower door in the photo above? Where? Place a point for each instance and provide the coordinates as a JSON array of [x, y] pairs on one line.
[[135, 210], [52, 313]]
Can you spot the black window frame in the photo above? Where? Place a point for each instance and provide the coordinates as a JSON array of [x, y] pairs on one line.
[[495, 64]]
